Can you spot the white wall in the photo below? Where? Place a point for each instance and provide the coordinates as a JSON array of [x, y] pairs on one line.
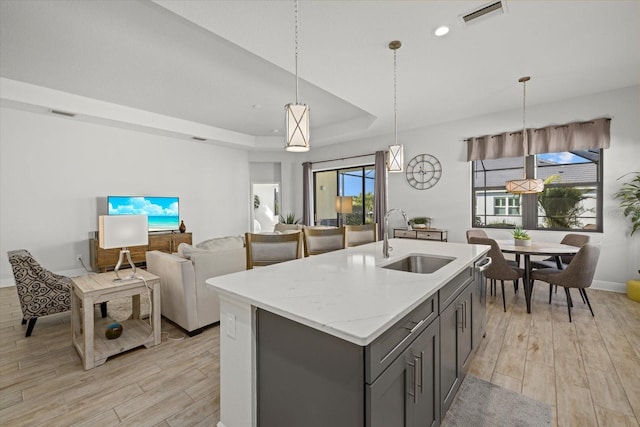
[[54, 170], [449, 202]]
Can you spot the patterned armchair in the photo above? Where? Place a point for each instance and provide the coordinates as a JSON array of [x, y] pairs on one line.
[[40, 291]]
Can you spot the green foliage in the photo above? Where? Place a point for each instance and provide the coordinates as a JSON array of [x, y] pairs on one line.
[[289, 219], [420, 220], [355, 217], [503, 223], [256, 201], [562, 205], [629, 195], [520, 234]]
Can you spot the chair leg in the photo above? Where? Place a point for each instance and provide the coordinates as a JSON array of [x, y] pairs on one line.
[[103, 309], [24, 321], [550, 292], [566, 291], [583, 292], [32, 323], [504, 301], [582, 295], [515, 286]]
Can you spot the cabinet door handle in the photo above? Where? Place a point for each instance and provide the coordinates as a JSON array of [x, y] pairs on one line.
[[421, 372], [414, 365], [415, 327], [464, 315], [461, 311]]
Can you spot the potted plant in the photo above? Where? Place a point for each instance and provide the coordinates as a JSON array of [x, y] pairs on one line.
[[421, 222], [629, 195], [289, 219], [521, 237]]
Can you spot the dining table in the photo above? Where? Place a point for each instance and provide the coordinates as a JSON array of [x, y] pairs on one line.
[[556, 250]]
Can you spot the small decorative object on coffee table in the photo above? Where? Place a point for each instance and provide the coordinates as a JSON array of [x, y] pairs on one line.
[[521, 237], [421, 222], [182, 227]]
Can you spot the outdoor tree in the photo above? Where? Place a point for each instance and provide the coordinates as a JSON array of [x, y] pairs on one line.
[[562, 205]]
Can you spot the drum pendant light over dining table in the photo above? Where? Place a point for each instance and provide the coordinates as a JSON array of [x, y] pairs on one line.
[[524, 185], [296, 114]]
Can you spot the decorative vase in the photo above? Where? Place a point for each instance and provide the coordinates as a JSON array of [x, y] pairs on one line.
[[182, 227], [520, 242], [114, 330]]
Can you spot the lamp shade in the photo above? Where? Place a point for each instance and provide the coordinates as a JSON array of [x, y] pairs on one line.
[[395, 158], [344, 205], [525, 186], [121, 231], [297, 126]]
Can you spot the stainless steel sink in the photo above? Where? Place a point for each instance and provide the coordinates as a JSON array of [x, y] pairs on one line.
[[423, 264]]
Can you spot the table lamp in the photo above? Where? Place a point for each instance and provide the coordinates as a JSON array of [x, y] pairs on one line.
[[123, 231]]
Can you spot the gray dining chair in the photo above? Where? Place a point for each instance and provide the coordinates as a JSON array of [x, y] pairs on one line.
[[578, 240], [474, 232], [578, 274], [499, 268]]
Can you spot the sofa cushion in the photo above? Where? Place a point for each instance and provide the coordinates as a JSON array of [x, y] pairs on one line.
[[185, 250], [222, 243]]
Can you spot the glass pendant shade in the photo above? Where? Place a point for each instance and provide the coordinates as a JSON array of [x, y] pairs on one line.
[[525, 186], [395, 158], [297, 126]]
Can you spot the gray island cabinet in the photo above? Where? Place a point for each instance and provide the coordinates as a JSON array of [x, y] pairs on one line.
[[338, 340]]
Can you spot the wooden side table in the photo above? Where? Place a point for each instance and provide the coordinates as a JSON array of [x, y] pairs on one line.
[[89, 339]]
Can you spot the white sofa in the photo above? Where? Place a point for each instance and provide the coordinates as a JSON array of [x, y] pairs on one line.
[[186, 299]]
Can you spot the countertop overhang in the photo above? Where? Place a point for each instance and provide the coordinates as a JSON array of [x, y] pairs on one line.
[[346, 293]]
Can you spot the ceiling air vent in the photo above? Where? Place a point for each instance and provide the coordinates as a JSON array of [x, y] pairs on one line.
[[197, 138], [63, 113], [484, 11]]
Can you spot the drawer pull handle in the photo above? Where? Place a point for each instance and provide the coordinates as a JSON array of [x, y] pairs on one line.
[[415, 327]]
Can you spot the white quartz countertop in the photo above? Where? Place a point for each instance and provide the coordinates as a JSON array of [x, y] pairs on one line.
[[345, 293]]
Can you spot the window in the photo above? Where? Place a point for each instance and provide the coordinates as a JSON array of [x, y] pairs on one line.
[[506, 205], [356, 183], [572, 199]]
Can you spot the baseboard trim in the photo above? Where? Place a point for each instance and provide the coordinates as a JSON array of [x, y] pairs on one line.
[[609, 286]]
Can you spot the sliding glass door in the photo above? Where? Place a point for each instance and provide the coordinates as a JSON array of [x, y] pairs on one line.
[[344, 196]]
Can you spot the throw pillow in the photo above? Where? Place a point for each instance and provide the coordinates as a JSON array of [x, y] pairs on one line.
[[222, 243]]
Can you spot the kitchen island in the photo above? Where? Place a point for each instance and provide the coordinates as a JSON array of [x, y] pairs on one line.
[[319, 337]]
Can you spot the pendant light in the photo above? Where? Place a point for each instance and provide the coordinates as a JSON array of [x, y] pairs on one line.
[[525, 185], [395, 154], [297, 115]]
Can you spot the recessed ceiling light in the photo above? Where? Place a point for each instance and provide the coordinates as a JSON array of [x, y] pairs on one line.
[[275, 130], [441, 31], [256, 106]]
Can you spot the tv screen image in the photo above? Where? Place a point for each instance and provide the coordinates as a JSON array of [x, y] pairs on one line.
[[163, 212]]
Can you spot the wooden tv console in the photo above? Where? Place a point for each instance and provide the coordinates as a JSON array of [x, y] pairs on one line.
[[106, 259]]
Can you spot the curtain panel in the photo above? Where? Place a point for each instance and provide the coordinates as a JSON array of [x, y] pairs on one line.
[[380, 190], [307, 194], [593, 134]]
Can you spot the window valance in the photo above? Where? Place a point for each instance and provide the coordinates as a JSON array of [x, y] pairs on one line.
[[588, 135]]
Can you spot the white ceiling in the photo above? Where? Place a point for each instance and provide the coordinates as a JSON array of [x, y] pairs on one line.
[[211, 62]]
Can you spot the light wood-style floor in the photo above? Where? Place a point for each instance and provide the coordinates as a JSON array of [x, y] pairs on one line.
[[588, 370]]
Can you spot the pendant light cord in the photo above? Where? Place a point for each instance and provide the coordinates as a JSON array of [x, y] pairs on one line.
[[395, 94], [296, 38]]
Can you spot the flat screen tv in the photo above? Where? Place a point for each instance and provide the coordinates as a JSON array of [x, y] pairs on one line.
[[163, 212]]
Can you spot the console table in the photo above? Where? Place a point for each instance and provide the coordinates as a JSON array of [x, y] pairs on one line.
[[105, 259], [421, 234], [88, 335]]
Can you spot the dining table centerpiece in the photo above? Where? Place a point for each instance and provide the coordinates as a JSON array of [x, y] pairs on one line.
[[521, 237]]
